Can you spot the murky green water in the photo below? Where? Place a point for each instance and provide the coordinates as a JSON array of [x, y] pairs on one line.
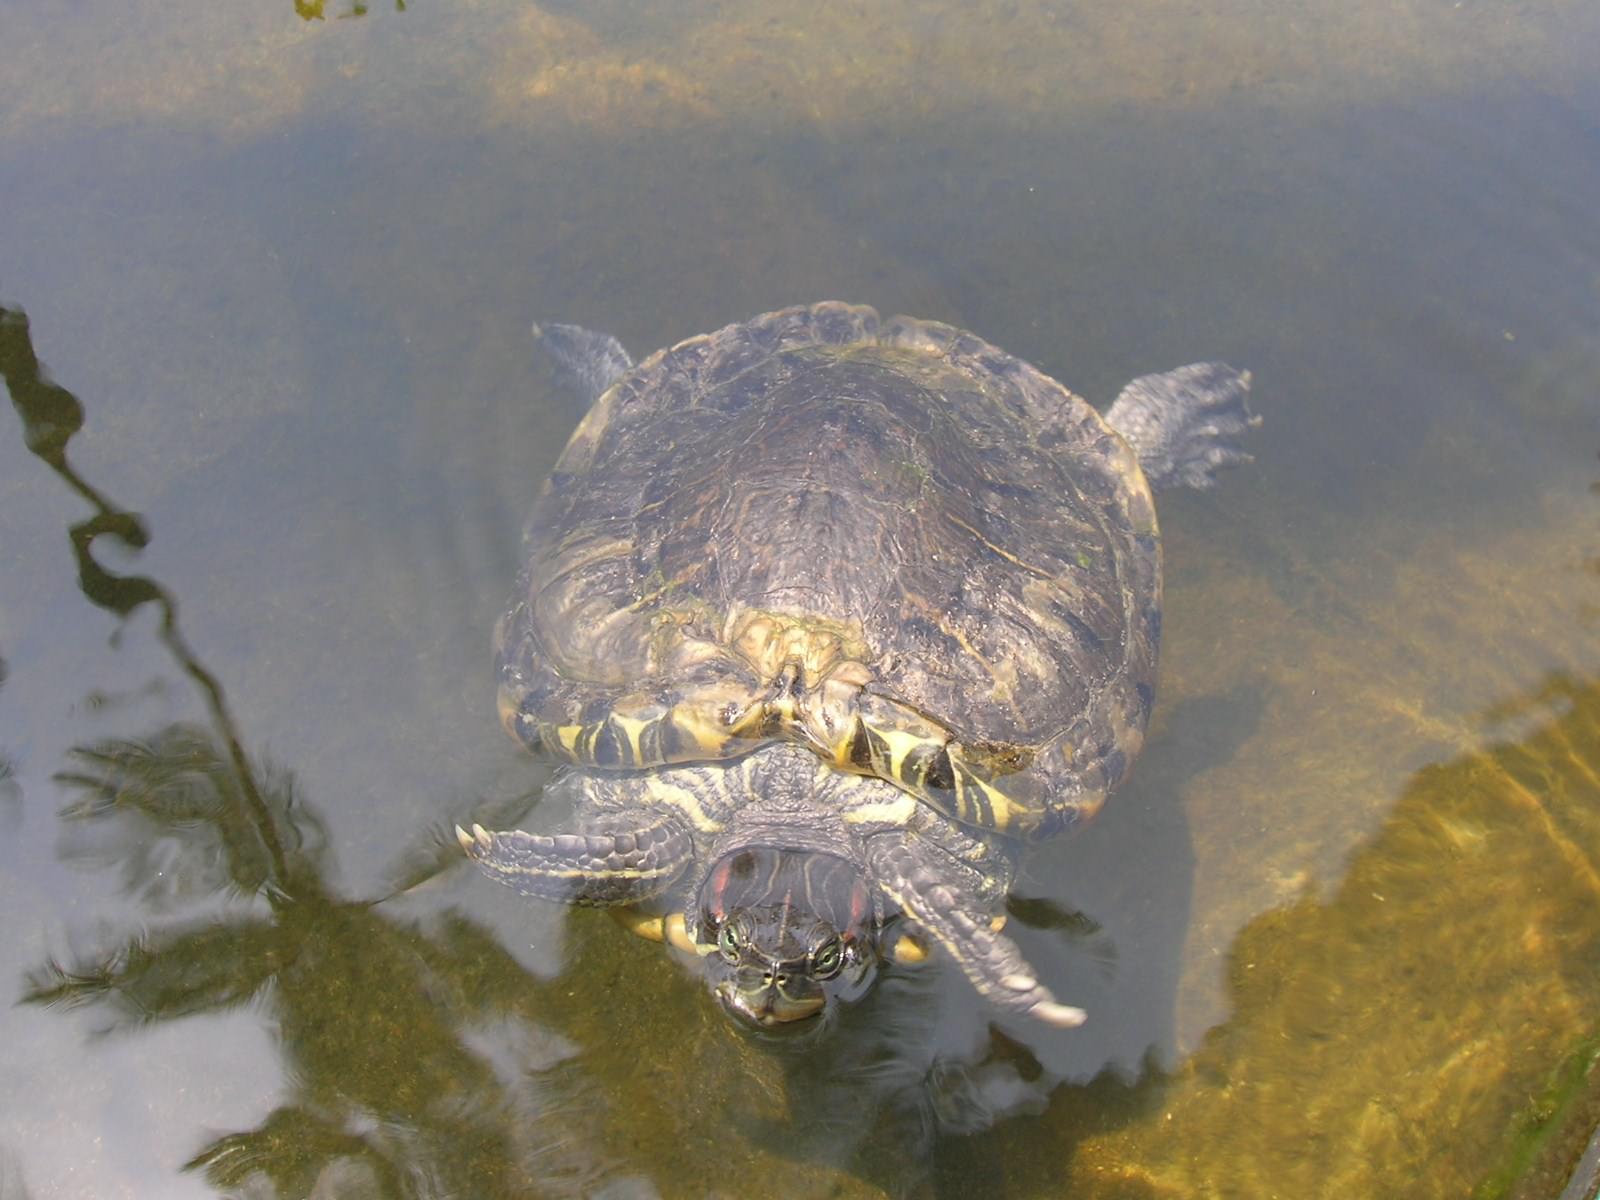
[[1340, 934]]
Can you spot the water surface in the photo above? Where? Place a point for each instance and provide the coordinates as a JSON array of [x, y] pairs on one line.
[[1338, 934]]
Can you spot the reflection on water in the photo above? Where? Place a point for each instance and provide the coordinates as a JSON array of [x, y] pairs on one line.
[[388, 1033], [413, 1053], [1337, 935], [10, 792], [423, 1059]]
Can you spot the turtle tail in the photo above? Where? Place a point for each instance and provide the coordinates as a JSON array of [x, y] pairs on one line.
[[594, 869], [589, 361]]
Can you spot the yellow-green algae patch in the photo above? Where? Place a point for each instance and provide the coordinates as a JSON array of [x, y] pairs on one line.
[[1387, 1041], [1550, 1135]]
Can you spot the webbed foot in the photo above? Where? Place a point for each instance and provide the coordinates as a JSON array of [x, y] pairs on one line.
[[1185, 424], [989, 959]]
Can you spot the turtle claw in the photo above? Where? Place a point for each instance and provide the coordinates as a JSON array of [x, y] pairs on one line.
[[1033, 999], [1062, 1016], [478, 843], [1042, 1006], [981, 959]]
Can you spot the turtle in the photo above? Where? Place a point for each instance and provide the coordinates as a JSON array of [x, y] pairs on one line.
[[825, 619]]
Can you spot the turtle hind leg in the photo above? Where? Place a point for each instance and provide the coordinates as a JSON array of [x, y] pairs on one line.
[[589, 361], [989, 959], [1185, 424]]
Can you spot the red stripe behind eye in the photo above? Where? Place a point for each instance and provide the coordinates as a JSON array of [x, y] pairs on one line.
[[858, 904], [719, 880]]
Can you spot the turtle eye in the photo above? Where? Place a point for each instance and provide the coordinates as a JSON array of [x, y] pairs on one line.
[[728, 942], [826, 962]]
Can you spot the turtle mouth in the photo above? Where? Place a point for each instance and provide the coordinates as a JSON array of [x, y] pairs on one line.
[[769, 1008]]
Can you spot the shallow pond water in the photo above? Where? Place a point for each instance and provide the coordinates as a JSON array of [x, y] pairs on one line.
[[1339, 935]]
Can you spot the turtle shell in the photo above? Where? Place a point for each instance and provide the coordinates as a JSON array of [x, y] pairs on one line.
[[889, 541]]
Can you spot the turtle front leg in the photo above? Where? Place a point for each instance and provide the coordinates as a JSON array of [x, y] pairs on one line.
[[589, 361], [1185, 424], [617, 866], [909, 872]]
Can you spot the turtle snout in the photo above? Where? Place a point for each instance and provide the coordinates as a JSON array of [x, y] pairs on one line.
[[771, 994]]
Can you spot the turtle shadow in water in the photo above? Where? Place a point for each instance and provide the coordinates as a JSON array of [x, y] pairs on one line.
[[1106, 912], [907, 1081], [1104, 915]]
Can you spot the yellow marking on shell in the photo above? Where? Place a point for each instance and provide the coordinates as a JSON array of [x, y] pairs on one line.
[[698, 717], [1141, 507], [768, 640], [1003, 688], [971, 788], [568, 737], [710, 736], [632, 728], [788, 684], [900, 745], [839, 752]]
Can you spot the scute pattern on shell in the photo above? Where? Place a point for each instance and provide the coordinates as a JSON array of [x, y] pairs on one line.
[[968, 529]]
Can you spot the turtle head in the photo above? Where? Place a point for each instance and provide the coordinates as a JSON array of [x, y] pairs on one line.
[[785, 934]]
